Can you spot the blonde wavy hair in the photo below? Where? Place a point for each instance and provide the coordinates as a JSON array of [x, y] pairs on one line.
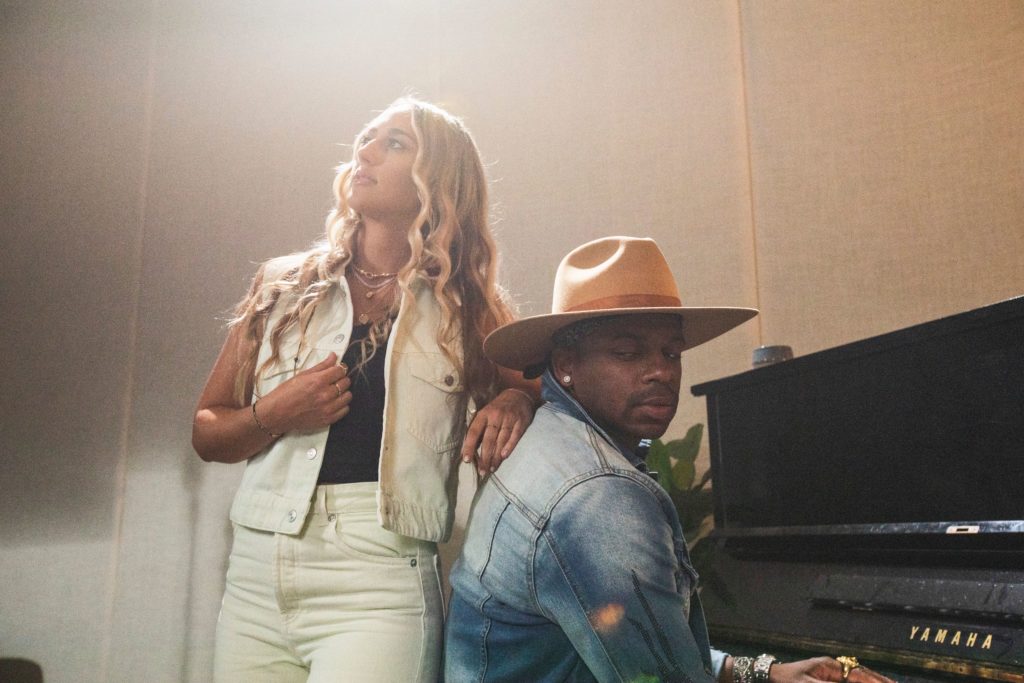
[[452, 249]]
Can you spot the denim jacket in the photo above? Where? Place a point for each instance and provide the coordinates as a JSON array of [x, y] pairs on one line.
[[425, 413], [574, 567]]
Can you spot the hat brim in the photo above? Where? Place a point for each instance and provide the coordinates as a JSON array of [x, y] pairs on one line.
[[527, 342]]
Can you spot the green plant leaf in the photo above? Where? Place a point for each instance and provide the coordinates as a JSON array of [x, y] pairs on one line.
[[658, 449], [683, 473], [688, 447], [685, 452], [675, 463], [658, 461]]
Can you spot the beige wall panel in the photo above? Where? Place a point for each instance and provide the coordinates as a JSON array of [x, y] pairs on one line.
[[147, 635], [71, 147], [209, 564], [52, 607], [603, 118], [73, 93], [887, 155]]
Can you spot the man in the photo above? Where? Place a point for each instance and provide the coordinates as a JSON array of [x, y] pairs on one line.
[[574, 566]]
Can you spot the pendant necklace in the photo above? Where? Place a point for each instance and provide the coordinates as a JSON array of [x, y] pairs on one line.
[[373, 282], [373, 287], [363, 317], [372, 290]]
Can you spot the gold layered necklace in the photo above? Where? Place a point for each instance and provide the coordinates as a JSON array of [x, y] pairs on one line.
[[374, 283], [368, 274]]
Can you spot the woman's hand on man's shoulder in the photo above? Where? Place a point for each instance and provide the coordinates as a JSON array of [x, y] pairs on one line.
[[496, 429]]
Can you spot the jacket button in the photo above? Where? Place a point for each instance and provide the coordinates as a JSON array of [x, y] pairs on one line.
[[292, 515], [339, 338], [412, 562], [311, 453], [449, 380]]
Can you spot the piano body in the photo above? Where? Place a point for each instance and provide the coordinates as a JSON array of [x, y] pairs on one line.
[[869, 501]]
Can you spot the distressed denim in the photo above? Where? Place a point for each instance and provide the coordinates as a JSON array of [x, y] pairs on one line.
[[574, 567]]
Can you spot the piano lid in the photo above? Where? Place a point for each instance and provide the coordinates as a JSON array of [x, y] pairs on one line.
[[919, 431]]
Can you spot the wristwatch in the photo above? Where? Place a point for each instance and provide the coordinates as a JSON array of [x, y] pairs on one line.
[[762, 665]]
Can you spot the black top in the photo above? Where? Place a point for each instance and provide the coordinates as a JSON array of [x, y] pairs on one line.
[[352, 453]]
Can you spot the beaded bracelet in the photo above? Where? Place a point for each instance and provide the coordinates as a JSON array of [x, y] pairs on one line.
[[256, 419]]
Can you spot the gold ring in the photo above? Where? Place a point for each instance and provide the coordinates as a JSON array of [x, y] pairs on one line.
[[848, 664], [336, 386]]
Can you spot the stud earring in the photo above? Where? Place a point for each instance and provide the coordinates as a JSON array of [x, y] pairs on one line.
[[566, 379]]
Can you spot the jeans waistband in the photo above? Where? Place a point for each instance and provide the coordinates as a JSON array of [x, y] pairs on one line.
[[340, 498]]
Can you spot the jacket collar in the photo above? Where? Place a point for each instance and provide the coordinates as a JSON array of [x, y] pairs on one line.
[[560, 399]]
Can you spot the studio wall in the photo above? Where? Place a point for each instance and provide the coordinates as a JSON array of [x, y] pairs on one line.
[[886, 148], [849, 168]]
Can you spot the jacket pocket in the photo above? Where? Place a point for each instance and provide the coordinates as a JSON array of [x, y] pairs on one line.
[[433, 400], [434, 369]]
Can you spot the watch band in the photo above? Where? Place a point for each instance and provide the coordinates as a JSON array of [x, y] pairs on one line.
[[761, 668], [742, 670]]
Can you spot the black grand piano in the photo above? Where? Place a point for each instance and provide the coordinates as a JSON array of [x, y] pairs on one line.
[[869, 501]]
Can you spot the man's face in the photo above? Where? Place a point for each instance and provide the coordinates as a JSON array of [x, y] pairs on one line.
[[626, 375]]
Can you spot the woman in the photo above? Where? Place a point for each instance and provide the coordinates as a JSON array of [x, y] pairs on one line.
[[345, 382]]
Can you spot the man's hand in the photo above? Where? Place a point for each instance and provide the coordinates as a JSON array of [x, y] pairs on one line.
[[821, 669]]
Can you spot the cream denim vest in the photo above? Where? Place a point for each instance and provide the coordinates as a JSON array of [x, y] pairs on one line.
[[425, 417]]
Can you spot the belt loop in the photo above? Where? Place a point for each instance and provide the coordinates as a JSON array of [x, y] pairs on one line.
[[320, 499], [417, 559]]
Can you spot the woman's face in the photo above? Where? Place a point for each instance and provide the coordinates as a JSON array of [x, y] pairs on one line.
[[381, 186]]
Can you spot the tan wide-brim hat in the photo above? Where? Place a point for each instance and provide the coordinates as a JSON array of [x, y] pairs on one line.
[[606, 277]]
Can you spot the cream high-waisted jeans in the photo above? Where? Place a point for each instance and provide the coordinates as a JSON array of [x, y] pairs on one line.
[[345, 600]]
